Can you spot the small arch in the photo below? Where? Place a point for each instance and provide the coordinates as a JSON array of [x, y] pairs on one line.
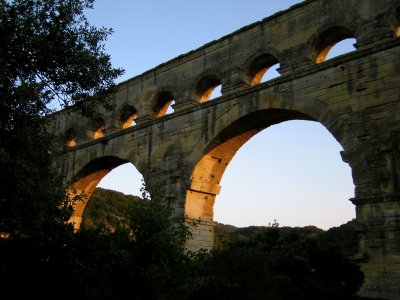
[[164, 103], [97, 127], [327, 40], [170, 108], [70, 137], [340, 48], [127, 116], [259, 67], [271, 73], [205, 88], [216, 92]]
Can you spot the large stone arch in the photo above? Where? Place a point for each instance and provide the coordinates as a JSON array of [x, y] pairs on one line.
[[86, 180], [229, 134]]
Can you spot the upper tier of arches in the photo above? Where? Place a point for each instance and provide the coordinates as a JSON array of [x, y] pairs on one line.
[[293, 40]]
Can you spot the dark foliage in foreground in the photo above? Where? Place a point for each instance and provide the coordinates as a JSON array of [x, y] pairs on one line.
[[266, 262], [274, 263], [48, 54], [278, 263], [144, 259]]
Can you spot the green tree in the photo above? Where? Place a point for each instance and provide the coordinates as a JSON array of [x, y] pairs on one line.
[[108, 208], [49, 54], [275, 263], [144, 260], [343, 239]]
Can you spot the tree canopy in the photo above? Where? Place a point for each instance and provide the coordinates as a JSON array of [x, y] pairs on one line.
[[50, 56]]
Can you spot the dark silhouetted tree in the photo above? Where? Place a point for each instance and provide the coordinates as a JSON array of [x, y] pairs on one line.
[[49, 54]]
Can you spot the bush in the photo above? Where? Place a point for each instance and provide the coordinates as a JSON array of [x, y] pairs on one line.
[[276, 264]]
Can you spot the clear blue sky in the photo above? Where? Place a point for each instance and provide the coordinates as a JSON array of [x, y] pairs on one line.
[[291, 172]]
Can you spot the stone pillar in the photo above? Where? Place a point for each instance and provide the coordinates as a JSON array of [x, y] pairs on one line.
[[295, 59], [235, 83], [202, 234], [199, 213], [195, 208], [379, 226], [378, 216], [110, 130], [376, 32], [181, 105], [143, 119]]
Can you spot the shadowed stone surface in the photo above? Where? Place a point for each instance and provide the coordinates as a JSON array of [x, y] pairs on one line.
[[355, 96]]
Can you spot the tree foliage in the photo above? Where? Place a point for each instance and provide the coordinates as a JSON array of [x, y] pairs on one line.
[[49, 54], [109, 209], [277, 263], [143, 258], [250, 263]]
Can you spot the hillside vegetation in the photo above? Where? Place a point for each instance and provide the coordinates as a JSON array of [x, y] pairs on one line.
[[110, 209], [130, 244]]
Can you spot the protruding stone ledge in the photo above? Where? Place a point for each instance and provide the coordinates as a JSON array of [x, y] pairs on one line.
[[373, 199]]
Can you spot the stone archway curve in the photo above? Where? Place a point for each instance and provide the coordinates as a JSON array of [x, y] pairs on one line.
[[86, 180], [231, 133]]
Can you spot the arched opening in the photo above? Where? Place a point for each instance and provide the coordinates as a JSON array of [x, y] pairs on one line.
[[170, 108], [91, 176], [97, 128], [262, 68], [340, 48], [291, 172], [164, 104], [124, 178], [217, 92], [271, 73], [70, 136], [338, 40], [127, 117], [111, 200], [208, 172], [207, 88]]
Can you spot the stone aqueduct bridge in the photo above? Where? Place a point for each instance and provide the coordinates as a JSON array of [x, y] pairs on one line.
[[355, 96]]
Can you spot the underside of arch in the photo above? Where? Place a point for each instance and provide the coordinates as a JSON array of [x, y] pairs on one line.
[[327, 40], [205, 87], [208, 172], [258, 67], [86, 181], [164, 100]]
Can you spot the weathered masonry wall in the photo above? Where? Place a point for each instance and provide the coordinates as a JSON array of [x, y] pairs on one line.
[[355, 96]]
